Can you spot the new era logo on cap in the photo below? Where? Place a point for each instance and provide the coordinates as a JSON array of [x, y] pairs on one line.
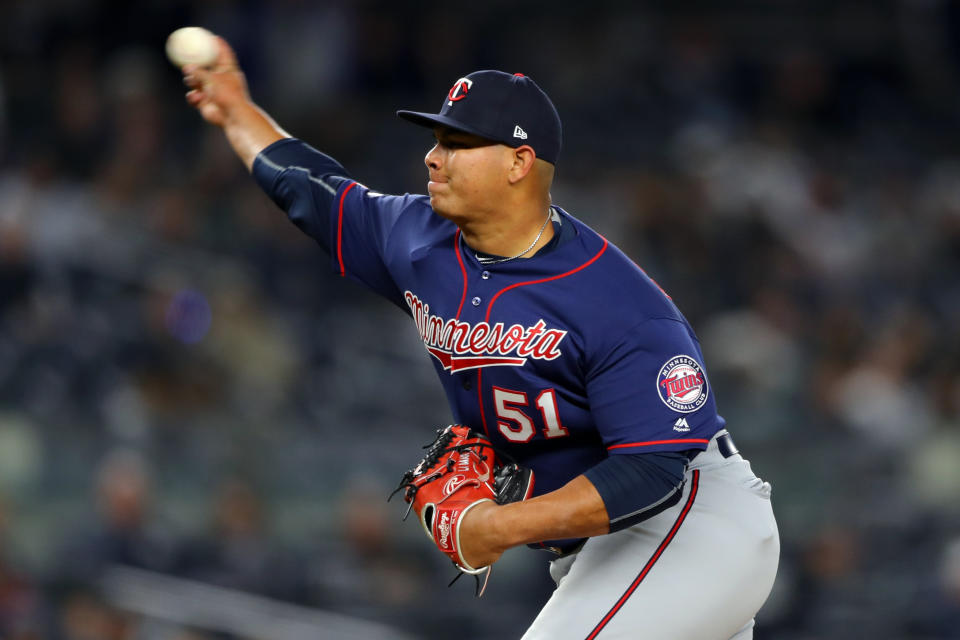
[[491, 104]]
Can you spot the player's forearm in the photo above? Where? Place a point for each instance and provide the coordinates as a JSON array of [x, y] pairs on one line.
[[572, 511], [250, 130], [575, 510]]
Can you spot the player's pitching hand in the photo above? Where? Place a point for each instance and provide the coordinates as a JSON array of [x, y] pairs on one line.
[[216, 91], [477, 541]]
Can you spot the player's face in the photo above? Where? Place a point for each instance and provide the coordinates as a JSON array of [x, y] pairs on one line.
[[467, 174]]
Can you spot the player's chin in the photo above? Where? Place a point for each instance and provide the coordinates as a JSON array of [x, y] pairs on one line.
[[441, 206]]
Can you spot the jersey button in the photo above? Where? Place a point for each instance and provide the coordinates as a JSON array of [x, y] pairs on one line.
[[476, 301], [485, 275], [466, 384]]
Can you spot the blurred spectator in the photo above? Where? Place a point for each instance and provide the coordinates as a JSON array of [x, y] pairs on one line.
[[237, 551], [123, 530], [936, 611], [85, 616], [368, 570], [21, 599]]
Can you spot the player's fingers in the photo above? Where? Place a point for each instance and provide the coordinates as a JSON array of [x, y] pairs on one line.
[[198, 73], [194, 97], [226, 58], [192, 80]]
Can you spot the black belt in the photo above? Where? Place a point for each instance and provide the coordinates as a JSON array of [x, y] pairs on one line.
[[726, 446], [567, 549]]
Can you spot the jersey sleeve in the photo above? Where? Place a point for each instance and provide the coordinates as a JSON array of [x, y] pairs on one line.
[[648, 391], [352, 223]]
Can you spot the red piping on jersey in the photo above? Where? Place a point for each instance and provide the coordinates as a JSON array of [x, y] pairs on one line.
[[652, 280], [695, 483], [463, 270], [483, 418], [340, 229], [557, 277], [653, 442]]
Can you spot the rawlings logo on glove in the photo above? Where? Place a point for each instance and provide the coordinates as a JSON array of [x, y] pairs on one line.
[[444, 530], [459, 471]]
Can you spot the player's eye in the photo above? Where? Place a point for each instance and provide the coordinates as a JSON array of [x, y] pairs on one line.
[[455, 142], [452, 145]]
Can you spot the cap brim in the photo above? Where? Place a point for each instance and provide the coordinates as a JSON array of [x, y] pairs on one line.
[[433, 119]]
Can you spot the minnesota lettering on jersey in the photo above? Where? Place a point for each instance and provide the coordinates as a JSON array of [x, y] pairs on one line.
[[461, 345]]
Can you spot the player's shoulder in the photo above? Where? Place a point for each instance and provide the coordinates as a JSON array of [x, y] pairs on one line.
[[611, 276], [412, 202], [410, 214]]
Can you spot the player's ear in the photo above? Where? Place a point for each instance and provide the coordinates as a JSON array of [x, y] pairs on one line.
[[523, 159]]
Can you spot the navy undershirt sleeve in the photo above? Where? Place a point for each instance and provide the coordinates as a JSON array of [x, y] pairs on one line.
[[637, 486], [303, 182]]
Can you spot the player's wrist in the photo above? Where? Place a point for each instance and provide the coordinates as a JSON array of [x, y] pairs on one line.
[[250, 130], [482, 536], [240, 112]]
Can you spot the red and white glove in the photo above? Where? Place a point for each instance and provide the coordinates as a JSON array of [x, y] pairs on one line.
[[459, 471]]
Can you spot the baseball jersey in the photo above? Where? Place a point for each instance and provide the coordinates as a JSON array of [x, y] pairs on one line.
[[561, 359]]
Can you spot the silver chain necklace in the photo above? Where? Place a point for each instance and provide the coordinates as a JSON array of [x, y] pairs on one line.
[[522, 253]]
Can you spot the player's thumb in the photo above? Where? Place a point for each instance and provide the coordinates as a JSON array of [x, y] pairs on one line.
[[226, 58]]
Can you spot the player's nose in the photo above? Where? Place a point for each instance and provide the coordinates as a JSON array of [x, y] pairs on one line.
[[433, 159]]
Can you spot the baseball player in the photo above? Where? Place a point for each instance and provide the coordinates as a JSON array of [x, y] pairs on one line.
[[552, 343]]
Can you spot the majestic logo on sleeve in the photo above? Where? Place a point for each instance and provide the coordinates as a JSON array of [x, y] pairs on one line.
[[460, 345], [682, 385]]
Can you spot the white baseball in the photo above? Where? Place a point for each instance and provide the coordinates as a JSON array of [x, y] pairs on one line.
[[192, 45]]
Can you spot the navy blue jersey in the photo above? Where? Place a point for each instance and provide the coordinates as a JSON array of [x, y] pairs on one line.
[[562, 359]]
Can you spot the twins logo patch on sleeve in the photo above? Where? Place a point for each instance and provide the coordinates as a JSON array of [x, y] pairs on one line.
[[682, 385]]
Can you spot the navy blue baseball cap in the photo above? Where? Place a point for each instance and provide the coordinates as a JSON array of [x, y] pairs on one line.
[[503, 107]]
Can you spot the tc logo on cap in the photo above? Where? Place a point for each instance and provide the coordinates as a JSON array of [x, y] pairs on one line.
[[459, 90]]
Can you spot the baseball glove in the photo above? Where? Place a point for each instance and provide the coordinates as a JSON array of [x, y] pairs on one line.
[[459, 471]]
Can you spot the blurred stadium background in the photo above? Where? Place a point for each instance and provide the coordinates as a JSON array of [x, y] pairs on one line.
[[199, 424]]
